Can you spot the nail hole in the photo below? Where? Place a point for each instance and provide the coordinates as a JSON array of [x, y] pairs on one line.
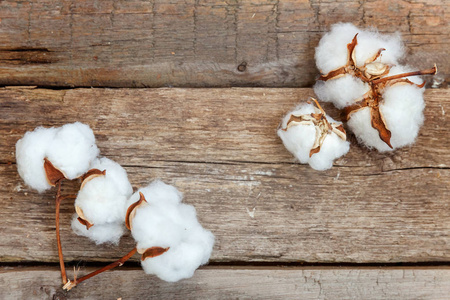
[[242, 67]]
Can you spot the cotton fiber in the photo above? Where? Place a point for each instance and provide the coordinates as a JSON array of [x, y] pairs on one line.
[[311, 140], [100, 233], [332, 52], [101, 202], [163, 221], [70, 148]]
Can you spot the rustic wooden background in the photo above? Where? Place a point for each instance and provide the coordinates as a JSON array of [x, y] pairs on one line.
[[375, 226]]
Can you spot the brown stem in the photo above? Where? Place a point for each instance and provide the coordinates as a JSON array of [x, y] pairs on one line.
[[58, 237], [68, 197], [118, 262], [431, 71]]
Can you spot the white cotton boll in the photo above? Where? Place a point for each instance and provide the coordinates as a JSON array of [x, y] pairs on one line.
[[73, 149], [402, 109], [30, 153], [332, 53], [102, 201], [299, 140], [70, 148], [342, 91], [165, 222], [105, 233], [103, 198]]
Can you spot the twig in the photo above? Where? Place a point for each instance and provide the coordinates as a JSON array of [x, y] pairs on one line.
[[415, 73], [58, 237], [69, 285]]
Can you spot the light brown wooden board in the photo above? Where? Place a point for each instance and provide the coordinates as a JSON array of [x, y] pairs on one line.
[[194, 43], [236, 283], [219, 147]]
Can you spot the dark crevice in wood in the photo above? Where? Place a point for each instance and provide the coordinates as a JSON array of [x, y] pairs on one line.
[[237, 162], [25, 49], [442, 86], [137, 265]]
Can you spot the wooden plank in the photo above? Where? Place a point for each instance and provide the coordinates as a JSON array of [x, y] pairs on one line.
[[198, 43], [220, 148], [202, 125], [236, 283]]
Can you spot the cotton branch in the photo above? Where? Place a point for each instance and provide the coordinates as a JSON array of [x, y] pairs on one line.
[[71, 284]]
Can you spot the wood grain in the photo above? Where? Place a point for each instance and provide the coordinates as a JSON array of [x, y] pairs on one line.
[[207, 43], [219, 147], [236, 283]]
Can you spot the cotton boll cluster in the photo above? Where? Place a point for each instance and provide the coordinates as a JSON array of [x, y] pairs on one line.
[[70, 149], [170, 239], [100, 203], [172, 242], [382, 103], [313, 137]]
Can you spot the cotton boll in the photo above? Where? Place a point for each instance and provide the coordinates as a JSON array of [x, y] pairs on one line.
[[164, 222], [402, 110], [332, 53], [105, 233], [103, 198], [342, 91], [73, 149], [300, 138], [70, 149], [30, 153]]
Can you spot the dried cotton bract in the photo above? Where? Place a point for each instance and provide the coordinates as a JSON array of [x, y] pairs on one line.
[[101, 202], [68, 149], [313, 137], [172, 242]]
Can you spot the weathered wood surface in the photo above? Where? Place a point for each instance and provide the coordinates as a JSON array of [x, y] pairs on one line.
[[194, 43], [219, 147], [236, 283]]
